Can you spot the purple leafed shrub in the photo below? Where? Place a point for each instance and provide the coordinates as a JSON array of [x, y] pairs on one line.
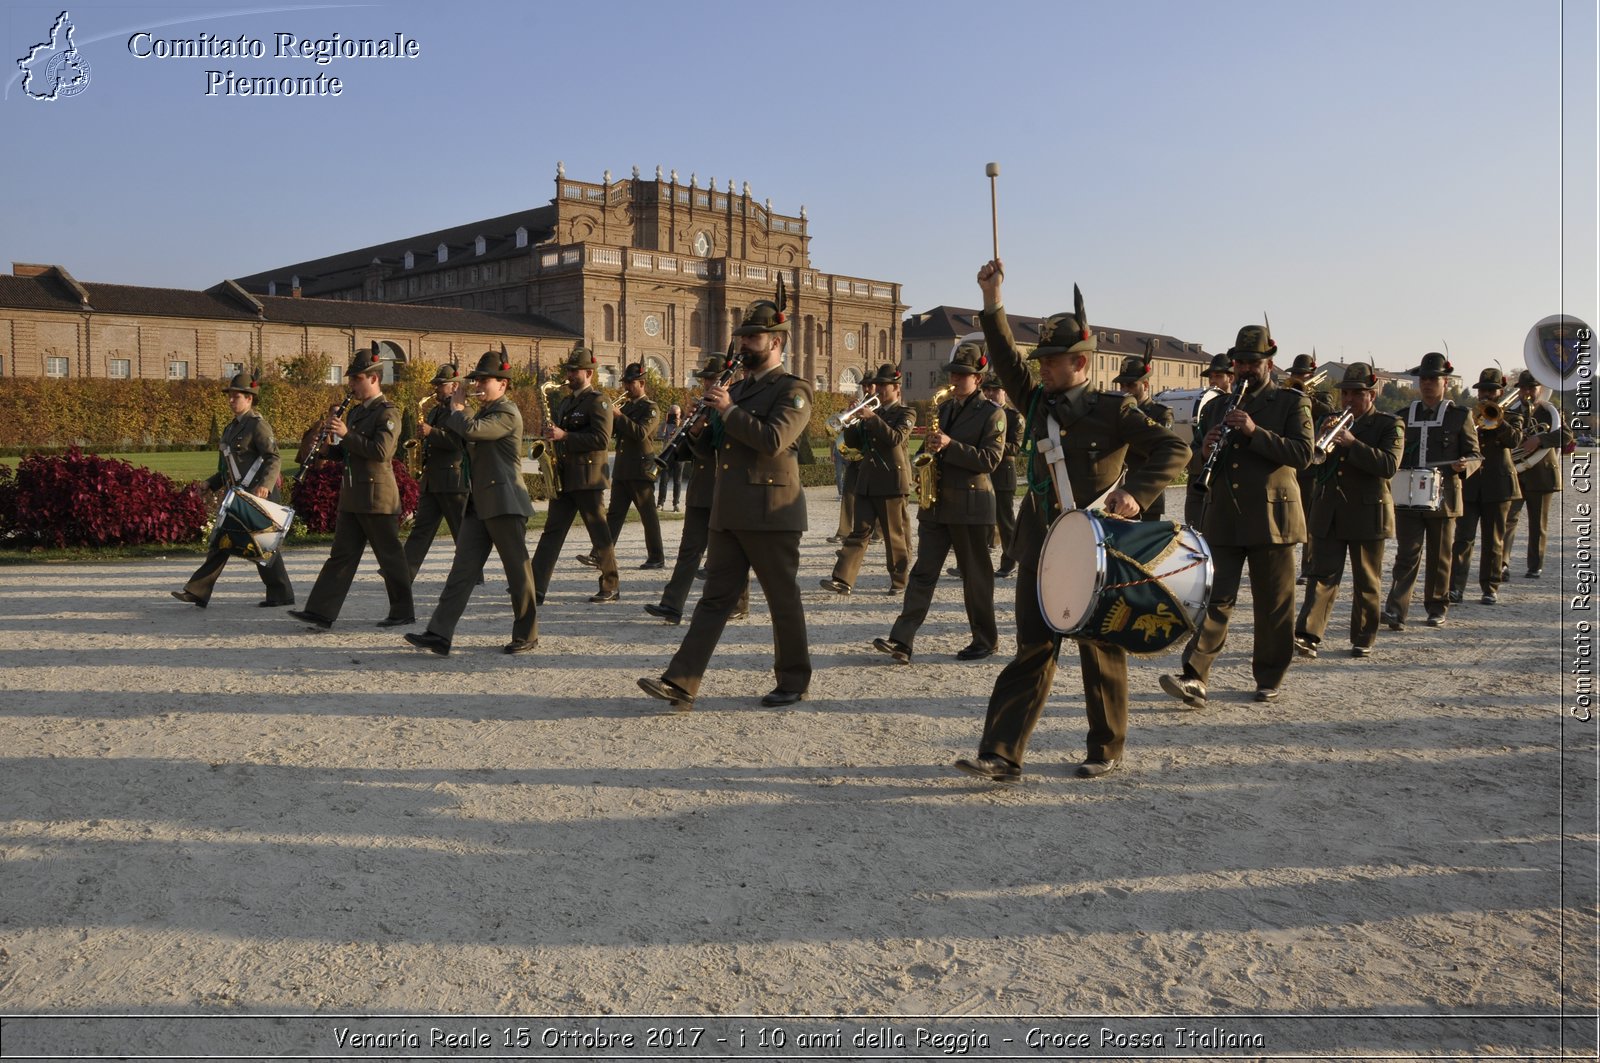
[[78, 499]]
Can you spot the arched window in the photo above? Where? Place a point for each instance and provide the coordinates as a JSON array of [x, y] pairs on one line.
[[883, 344], [610, 327], [655, 365], [697, 337], [811, 334], [849, 381]]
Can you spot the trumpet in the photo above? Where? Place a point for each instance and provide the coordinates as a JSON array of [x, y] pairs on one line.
[[1488, 416], [1310, 385], [619, 402], [1324, 444], [840, 421]]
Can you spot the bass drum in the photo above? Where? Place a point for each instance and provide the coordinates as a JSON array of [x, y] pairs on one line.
[[1137, 585]]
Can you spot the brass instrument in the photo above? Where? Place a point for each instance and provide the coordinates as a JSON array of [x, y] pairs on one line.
[[1310, 385], [1524, 464], [840, 421], [1488, 416], [543, 451], [416, 454], [849, 453], [619, 402], [926, 462], [1324, 444], [343, 408]]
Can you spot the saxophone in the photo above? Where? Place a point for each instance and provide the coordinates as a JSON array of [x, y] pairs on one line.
[[543, 450], [926, 462]]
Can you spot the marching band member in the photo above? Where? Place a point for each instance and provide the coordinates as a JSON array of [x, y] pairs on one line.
[[497, 515], [1134, 380], [1219, 381], [758, 512], [1439, 436], [1004, 477], [1543, 430], [696, 517], [965, 442], [369, 502], [1301, 373], [634, 471], [1488, 493], [851, 475], [444, 477], [1352, 513], [248, 460], [581, 430], [1097, 429], [882, 481], [1252, 516]]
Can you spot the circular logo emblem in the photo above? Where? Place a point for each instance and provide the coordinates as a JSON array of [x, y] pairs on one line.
[[652, 325], [68, 72], [1559, 351]]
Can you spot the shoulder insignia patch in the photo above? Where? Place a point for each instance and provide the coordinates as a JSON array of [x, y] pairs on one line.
[[388, 426], [799, 402]]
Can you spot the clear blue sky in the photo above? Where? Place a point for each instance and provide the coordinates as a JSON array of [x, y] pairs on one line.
[[1380, 177]]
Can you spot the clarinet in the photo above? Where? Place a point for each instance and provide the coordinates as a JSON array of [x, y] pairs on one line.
[[316, 445], [1202, 481], [696, 416]]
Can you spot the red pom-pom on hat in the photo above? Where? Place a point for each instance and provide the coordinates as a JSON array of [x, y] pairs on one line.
[[505, 367], [781, 319]]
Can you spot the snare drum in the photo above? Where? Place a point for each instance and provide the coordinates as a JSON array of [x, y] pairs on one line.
[[1416, 489], [1137, 585], [250, 527]]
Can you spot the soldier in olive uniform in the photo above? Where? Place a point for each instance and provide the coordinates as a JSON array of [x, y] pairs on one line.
[[581, 432], [1486, 498], [249, 461], [1252, 516], [1093, 432], [1542, 430], [852, 457], [1352, 512], [444, 476], [758, 512], [696, 515], [369, 502], [1219, 382], [497, 515], [1439, 436], [965, 441], [1134, 380], [882, 481], [1004, 477], [633, 476], [1301, 374]]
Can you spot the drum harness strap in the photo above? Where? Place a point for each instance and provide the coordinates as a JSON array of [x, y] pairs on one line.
[[1412, 421], [233, 467], [1057, 462]]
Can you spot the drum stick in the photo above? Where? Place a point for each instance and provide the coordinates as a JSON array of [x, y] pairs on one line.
[[993, 170]]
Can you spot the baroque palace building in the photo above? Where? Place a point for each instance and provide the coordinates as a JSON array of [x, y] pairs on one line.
[[653, 270], [52, 325]]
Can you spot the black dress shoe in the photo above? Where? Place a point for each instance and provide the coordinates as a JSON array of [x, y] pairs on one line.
[[1094, 769], [521, 645], [700, 573], [311, 618], [538, 599], [953, 570], [192, 599], [1267, 694], [1006, 573], [781, 696], [740, 615], [603, 597], [429, 641], [588, 560], [667, 691], [837, 586], [671, 616], [1534, 573], [991, 767], [269, 604], [1489, 598], [653, 564], [397, 621], [1455, 597], [901, 653], [975, 652], [1392, 618]]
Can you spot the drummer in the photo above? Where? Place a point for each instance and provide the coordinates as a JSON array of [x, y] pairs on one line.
[[1097, 429], [1440, 437], [249, 461]]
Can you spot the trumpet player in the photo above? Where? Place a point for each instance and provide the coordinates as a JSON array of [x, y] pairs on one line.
[[444, 475], [1351, 512], [1538, 475], [850, 456], [964, 443], [1252, 517], [497, 516], [1004, 476], [633, 474], [1488, 493], [882, 482], [580, 430]]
